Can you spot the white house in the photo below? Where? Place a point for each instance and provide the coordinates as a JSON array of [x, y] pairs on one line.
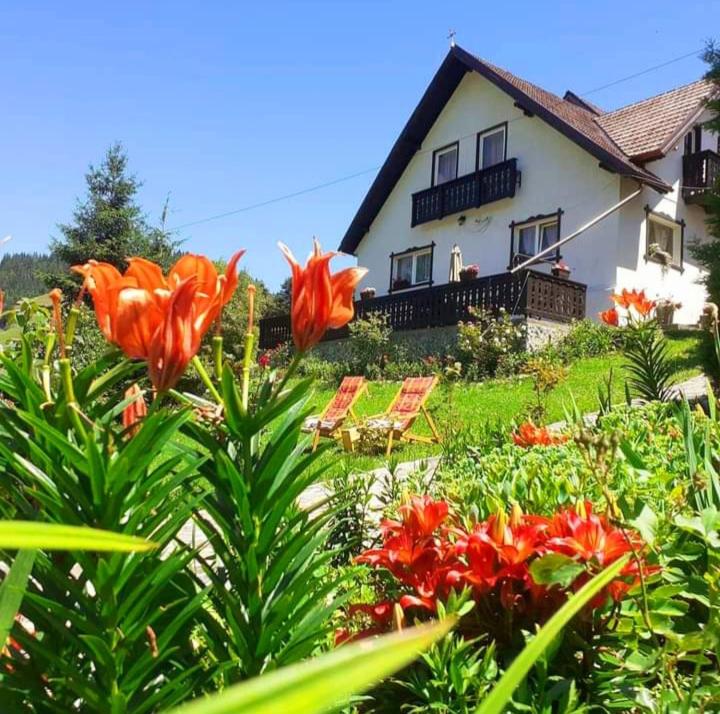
[[503, 169]]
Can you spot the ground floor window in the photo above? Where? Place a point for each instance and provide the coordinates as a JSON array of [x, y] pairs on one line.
[[664, 239], [532, 236], [411, 268]]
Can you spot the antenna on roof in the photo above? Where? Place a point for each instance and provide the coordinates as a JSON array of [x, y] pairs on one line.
[[451, 37]]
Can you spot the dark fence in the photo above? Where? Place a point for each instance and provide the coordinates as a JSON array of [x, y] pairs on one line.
[[469, 191], [527, 292]]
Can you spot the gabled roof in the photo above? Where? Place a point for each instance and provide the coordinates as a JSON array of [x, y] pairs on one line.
[[644, 129], [576, 119]]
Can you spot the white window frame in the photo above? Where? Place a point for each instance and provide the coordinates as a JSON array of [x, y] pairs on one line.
[[499, 129], [678, 229], [455, 146], [538, 225], [414, 255]]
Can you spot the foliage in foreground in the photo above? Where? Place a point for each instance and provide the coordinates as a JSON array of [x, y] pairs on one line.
[[247, 580]]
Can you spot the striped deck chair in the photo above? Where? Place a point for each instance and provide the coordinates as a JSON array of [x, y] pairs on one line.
[[331, 420], [407, 405]]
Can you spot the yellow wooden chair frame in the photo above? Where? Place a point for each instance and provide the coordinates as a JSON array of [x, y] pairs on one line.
[[334, 433], [404, 433]]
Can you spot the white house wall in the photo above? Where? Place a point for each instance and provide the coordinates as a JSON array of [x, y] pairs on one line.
[[633, 268], [556, 173]]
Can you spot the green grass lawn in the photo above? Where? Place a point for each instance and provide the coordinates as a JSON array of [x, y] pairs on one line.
[[503, 401]]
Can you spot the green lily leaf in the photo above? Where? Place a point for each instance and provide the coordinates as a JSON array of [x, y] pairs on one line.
[[52, 536], [323, 682], [502, 692]]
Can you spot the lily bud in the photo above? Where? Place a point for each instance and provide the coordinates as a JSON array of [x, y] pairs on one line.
[[499, 525], [398, 618], [516, 514], [136, 411]]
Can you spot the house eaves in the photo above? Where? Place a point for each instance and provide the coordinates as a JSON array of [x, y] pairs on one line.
[[575, 122]]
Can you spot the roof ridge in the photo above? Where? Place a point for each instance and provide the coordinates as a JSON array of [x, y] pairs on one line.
[[610, 112]]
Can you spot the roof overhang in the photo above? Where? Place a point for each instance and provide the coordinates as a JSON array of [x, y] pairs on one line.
[[446, 80]]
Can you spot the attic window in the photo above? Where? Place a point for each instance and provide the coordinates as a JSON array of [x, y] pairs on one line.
[[664, 240], [445, 164], [491, 146]]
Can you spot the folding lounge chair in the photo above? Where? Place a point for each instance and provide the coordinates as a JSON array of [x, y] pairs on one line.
[[331, 420], [407, 405]]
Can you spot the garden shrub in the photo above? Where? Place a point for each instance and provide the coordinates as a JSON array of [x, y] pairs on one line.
[[587, 338], [486, 340], [369, 345]]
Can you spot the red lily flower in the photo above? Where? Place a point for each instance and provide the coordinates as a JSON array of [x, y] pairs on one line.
[[590, 538]]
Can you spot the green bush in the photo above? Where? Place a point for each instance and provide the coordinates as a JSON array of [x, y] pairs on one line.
[[587, 338], [369, 345], [486, 341]]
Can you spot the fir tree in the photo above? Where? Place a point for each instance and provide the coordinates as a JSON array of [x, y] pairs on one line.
[[108, 225]]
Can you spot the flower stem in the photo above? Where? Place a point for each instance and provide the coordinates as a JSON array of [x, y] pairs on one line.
[[71, 325], [205, 377], [217, 348], [247, 358], [292, 368], [69, 389]]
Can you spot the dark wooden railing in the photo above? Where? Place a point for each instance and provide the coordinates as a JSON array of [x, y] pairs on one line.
[[700, 173], [469, 191], [527, 292]]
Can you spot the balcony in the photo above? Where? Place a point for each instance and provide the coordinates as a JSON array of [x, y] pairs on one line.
[[469, 191], [700, 173], [529, 293]]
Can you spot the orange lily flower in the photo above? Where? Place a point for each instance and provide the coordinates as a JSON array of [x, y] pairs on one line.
[[529, 435], [2, 301], [157, 319], [610, 317], [136, 411], [320, 300], [634, 299], [643, 305], [625, 298]]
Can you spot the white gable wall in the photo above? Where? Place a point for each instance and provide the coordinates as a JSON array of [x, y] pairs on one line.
[[634, 270], [556, 173]]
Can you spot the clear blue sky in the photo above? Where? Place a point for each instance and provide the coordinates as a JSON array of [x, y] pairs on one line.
[[231, 104]]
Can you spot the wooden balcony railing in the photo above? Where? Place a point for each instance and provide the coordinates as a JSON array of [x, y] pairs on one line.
[[700, 173], [528, 293], [469, 191]]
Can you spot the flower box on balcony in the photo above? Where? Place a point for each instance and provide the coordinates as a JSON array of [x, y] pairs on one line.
[[469, 272]]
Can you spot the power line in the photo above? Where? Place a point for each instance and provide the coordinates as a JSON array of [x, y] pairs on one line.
[[273, 200], [645, 71], [349, 177]]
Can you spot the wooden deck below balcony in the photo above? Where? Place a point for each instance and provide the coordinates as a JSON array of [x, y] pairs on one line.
[[529, 293]]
